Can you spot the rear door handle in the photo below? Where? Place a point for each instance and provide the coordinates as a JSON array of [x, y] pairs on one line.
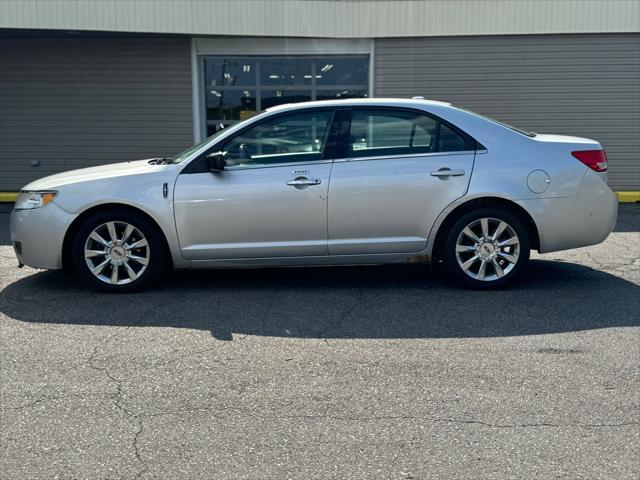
[[447, 172]]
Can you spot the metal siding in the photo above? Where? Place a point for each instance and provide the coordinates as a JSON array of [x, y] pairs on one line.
[[71, 103], [582, 85], [326, 18]]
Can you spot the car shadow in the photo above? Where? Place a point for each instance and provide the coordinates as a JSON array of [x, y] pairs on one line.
[[405, 301], [628, 218]]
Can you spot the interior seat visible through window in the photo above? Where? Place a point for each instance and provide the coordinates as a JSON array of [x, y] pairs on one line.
[[292, 138], [397, 132]]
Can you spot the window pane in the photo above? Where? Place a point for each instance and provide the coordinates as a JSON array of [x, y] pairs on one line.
[[375, 133], [224, 105], [222, 71], [342, 71], [293, 138], [337, 94], [450, 141], [236, 88], [271, 98], [285, 71]]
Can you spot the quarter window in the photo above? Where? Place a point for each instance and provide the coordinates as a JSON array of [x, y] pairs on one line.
[[450, 141], [388, 132], [285, 139]]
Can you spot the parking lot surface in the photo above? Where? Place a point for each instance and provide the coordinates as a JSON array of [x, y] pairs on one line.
[[376, 372]]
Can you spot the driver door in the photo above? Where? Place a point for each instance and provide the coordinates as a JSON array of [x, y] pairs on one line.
[[271, 198]]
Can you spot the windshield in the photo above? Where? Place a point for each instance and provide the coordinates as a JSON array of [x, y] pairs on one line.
[[510, 127], [187, 153]]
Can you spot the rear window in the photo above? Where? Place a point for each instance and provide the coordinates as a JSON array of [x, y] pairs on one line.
[[510, 127]]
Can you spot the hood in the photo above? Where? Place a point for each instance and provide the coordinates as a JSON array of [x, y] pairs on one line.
[[113, 170]]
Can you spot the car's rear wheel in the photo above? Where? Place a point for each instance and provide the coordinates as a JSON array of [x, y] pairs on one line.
[[487, 248], [118, 251]]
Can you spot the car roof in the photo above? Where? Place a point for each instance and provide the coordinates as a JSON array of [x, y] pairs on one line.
[[386, 102]]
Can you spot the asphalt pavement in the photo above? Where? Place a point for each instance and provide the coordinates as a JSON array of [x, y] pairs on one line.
[[379, 372]]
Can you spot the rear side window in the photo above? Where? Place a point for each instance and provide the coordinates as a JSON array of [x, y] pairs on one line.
[[393, 132]]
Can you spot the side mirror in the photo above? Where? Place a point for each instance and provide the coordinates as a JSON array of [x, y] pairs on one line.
[[216, 161]]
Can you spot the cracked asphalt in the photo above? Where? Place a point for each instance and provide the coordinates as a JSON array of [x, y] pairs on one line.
[[347, 373]]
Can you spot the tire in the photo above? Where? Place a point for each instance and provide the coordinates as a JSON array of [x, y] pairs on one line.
[[504, 257], [138, 254]]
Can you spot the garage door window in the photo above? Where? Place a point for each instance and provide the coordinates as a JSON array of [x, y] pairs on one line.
[[236, 88]]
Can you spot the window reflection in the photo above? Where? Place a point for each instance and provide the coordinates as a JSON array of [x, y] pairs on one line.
[[222, 72], [286, 71], [230, 104], [341, 94], [294, 138], [271, 98], [236, 88], [342, 71]]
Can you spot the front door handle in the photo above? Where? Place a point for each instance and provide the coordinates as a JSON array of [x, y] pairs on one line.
[[447, 172], [303, 182]]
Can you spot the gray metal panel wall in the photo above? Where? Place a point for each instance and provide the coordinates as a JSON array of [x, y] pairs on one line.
[[583, 85], [70, 103]]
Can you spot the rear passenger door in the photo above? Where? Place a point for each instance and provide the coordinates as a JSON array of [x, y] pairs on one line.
[[397, 171]]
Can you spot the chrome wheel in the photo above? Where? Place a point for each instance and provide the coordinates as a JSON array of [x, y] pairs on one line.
[[116, 253], [487, 249]]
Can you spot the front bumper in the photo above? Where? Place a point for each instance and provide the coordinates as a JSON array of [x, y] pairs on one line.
[[37, 235], [586, 218]]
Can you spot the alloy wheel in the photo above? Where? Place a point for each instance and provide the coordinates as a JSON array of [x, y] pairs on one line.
[[116, 253], [487, 249]]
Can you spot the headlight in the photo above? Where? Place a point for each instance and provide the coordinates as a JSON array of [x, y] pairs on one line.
[[30, 200]]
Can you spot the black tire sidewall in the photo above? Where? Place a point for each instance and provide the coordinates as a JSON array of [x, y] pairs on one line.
[[149, 230], [452, 236]]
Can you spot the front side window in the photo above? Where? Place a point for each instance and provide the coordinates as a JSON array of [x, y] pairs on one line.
[[286, 139], [389, 132]]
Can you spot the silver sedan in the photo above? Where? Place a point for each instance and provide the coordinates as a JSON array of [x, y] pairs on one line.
[[326, 183]]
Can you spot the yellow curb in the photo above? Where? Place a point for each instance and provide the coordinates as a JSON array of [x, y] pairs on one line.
[[8, 196], [628, 197]]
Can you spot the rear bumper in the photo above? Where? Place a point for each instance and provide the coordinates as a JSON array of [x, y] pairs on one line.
[[586, 218], [37, 235]]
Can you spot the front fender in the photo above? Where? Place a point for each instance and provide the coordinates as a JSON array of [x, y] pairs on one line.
[[142, 192]]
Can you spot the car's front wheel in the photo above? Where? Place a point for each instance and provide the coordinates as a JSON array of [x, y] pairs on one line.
[[487, 248], [118, 251]]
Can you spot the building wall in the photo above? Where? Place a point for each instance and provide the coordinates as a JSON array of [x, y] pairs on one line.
[[77, 102], [326, 18], [73, 102], [583, 85]]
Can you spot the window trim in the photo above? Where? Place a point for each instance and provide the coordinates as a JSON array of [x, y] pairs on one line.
[[411, 155], [343, 151], [237, 168], [197, 165]]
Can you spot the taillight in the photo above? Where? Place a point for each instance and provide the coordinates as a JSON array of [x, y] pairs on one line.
[[594, 159]]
